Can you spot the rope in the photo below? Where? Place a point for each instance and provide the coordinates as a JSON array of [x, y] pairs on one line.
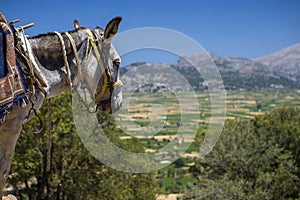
[[49, 141], [118, 83], [69, 82], [34, 72], [106, 74], [29, 62], [32, 109], [75, 53]]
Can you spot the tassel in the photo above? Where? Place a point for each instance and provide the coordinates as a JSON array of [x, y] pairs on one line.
[[3, 117], [25, 102]]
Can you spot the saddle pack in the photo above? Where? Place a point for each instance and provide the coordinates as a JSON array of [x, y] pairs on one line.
[[13, 88]]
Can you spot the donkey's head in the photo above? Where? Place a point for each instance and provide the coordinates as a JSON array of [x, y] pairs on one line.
[[101, 67]]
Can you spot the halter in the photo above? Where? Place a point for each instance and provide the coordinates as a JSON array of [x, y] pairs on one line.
[[109, 82], [106, 74]]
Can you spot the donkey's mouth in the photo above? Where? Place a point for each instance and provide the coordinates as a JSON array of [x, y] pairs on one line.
[[105, 106], [108, 107], [111, 103]]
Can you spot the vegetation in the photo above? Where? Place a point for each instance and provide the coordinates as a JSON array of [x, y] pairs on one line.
[[256, 157], [74, 174]]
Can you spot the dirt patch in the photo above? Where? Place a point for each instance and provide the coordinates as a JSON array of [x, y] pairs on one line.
[[168, 197]]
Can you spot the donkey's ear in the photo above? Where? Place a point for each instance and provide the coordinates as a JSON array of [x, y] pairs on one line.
[[111, 28], [76, 24]]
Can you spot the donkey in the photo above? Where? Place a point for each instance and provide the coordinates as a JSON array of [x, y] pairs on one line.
[[63, 60]]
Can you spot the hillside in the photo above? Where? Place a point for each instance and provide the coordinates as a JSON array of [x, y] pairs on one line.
[[280, 70], [285, 62]]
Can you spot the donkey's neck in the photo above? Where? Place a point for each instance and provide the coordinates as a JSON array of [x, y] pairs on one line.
[[49, 58]]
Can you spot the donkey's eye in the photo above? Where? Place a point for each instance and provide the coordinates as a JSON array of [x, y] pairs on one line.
[[116, 62]]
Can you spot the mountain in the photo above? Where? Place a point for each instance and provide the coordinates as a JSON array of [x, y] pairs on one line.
[[280, 70], [285, 62]]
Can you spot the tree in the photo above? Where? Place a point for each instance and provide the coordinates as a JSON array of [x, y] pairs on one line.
[[74, 174], [253, 159]]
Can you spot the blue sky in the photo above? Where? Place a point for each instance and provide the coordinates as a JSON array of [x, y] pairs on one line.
[[241, 28]]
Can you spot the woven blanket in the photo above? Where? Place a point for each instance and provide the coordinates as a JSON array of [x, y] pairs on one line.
[[3, 68], [13, 87]]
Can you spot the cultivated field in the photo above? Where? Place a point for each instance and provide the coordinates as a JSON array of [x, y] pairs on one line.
[[158, 119]]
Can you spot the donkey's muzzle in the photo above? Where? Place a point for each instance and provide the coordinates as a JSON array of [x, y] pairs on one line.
[[105, 106], [111, 100]]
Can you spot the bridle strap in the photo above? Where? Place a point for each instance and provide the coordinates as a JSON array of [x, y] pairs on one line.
[[105, 74]]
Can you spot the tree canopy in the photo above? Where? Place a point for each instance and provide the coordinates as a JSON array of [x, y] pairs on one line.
[[74, 174], [253, 159]]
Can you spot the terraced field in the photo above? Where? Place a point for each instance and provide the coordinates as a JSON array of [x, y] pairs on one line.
[[156, 118]]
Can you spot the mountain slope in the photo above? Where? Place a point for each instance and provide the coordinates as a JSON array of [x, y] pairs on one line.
[[280, 70], [241, 74], [285, 62]]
